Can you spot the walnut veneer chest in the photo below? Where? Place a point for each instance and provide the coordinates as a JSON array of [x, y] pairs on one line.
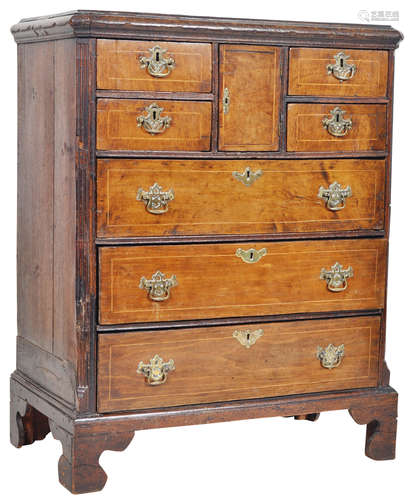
[[203, 219]]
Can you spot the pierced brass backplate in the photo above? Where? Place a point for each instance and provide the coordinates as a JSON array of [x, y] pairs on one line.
[[154, 123], [156, 372], [158, 286], [247, 338], [247, 177], [156, 200], [336, 125], [335, 196], [336, 277], [331, 356], [341, 70], [157, 64], [251, 256]]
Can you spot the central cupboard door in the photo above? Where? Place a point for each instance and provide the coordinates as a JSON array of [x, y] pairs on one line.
[[249, 98]]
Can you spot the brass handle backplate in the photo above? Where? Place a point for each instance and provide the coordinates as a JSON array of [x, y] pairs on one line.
[[341, 70], [252, 255], [335, 196], [226, 100], [158, 286], [247, 338], [157, 64], [336, 277], [154, 123], [156, 200], [247, 177], [156, 371], [331, 356], [337, 125]]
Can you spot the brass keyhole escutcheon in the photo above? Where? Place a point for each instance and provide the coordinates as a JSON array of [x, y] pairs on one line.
[[153, 122], [337, 125], [252, 255], [341, 70], [247, 338], [157, 64]]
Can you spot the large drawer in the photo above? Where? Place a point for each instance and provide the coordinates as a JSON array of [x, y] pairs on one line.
[[336, 72], [154, 66], [177, 282], [332, 127], [222, 363], [182, 197], [145, 125]]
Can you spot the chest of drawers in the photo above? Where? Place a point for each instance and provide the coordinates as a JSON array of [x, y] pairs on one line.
[[203, 222]]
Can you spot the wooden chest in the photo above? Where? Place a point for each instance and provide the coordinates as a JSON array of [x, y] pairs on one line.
[[203, 223]]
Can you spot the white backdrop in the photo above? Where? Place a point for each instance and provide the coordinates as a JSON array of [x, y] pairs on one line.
[[266, 458]]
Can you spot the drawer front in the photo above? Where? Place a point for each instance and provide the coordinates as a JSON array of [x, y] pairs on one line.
[[337, 72], [142, 125], [241, 279], [314, 127], [211, 364], [250, 81], [154, 66], [238, 197]]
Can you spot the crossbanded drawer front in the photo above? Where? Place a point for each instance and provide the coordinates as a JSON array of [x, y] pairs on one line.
[[179, 367], [149, 125], [154, 66], [338, 72], [192, 197], [179, 282], [336, 127]]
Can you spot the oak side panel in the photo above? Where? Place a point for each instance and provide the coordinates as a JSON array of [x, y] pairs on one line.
[[214, 283], [251, 73], [283, 361]]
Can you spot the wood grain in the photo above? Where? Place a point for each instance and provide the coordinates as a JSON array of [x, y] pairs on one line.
[[211, 365], [117, 127], [252, 75], [305, 131], [209, 200], [308, 73], [118, 66], [213, 282]]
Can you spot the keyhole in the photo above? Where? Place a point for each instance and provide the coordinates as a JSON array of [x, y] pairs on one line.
[[154, 115], [248, 174], [157, 56], [251, 255], [248, 336], [341, 62], [337, 117]]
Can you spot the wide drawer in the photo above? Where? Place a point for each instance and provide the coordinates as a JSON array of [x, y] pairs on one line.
[[336, 72], [211, 364], [145, 125], [332, 127], [177, 282], [181, 197], [154, 66]]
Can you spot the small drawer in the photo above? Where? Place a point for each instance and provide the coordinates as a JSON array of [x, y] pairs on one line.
[[179, 367], [180, 282], [336, 127], [154, 66], [192, 197], [142, 125], [338, 73]]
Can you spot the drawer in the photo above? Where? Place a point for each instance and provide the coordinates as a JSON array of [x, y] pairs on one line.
[[214, 364], [332, 127], [180, 282], [154, 66], [238, 197], [336, 72], [143, 125]]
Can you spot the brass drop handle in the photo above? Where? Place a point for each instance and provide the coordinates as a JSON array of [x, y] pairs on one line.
[[247, 338], [341, 70], [157, 64], [156, 201], [336, 124], [336, 277], [331, 356], [156, 371], [153, 122], [334, 196], [158, 287]]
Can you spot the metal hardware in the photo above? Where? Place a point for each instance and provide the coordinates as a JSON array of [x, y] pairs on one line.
[[336, 125], [156, 372], [336, 277], [341, 70], [247, 177], [226, 100], [159, 286], [157, 65], [156, 200], [247, 338], [335, 196], [251, 256], [331, 356], [153, 122]]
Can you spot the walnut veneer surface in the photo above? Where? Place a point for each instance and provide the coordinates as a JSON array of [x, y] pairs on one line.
[[203, 224]]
